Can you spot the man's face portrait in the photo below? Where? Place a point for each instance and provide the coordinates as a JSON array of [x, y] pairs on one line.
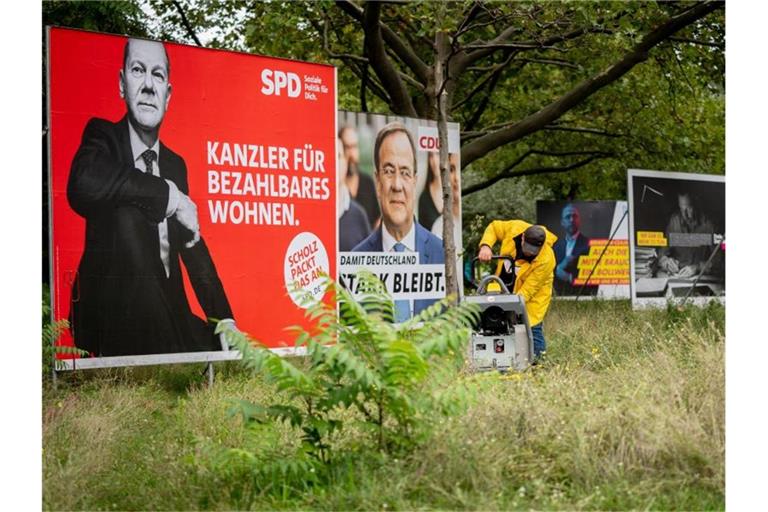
[[686, 207], [395, 182], [570, 220], [144, 83], [351, 147]]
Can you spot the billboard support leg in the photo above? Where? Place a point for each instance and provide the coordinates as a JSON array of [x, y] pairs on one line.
[[209, 370]]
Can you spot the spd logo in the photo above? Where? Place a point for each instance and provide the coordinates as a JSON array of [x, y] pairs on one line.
[[278, 82]]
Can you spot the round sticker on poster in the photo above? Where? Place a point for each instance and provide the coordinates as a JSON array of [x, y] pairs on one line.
[[305, 260]]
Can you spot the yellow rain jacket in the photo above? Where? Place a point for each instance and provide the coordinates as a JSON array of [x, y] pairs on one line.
[[534, 279]]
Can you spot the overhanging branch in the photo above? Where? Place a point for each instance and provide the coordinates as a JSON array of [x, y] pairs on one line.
[[483, 145], [334, 55], [513, 46], [553, 62], [382, 66], [590, 131], [185, 22], [467, 28], [466, 59], [371, 84], [484, 103], [484, 48], [394, 42], [493, 75], [509, 173], [697, 42], [473, 12]]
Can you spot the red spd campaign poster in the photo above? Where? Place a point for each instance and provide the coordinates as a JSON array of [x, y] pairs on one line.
[[187, 184]]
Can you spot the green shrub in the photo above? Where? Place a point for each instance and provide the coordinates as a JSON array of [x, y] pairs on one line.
[[627, 413], [52, 331], [394, 378]]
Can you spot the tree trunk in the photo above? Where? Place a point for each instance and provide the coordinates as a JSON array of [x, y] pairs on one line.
[[441, 96]]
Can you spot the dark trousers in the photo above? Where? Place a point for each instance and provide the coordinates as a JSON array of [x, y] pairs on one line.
[[539, 343]]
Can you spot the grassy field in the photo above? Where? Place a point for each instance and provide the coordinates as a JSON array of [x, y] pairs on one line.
[[626, 412]]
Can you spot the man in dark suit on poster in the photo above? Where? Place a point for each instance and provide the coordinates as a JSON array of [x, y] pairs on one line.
[[568, 249], [128, 297], [394, 157]]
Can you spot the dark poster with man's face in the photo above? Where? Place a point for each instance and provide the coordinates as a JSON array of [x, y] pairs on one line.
[[591, 249], [677, 223]]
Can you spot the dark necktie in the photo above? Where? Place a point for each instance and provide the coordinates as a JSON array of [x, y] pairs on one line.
[[149, 156], [402, 307]]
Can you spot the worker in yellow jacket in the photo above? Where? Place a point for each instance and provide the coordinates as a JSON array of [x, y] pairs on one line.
[[531, 248]]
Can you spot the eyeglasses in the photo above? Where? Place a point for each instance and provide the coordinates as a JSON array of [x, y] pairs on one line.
[[389, 173]]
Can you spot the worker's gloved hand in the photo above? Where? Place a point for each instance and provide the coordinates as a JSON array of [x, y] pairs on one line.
[[689, 271], [485, 254]]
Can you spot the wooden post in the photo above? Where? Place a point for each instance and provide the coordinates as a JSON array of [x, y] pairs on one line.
[[441, 95]]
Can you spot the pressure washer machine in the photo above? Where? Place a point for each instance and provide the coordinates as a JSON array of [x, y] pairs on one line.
[[501, 338]]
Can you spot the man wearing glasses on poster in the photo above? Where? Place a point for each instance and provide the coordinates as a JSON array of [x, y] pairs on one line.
[[395, 175]]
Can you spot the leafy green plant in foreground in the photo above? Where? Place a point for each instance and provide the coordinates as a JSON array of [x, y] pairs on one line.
[[628, 413], [395, 377], [51, 332]]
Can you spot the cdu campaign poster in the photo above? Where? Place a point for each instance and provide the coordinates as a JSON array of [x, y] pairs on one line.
[[188, 186], [592, 250], [677, 237], [391, 211]]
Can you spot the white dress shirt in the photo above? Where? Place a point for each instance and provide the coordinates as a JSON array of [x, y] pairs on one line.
[[570, 243], [137, 149], [409, 241], [388, 241]]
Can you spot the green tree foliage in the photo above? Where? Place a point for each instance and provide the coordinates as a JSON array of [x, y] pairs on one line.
[[525, 83], [117, 17], [567, 94], [395, 378], [513, 62]]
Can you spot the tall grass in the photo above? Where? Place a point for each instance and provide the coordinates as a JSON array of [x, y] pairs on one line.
[[626, 412]]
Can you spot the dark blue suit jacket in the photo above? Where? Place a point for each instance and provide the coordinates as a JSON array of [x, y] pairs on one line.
[[429, 247], [579, 249]]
